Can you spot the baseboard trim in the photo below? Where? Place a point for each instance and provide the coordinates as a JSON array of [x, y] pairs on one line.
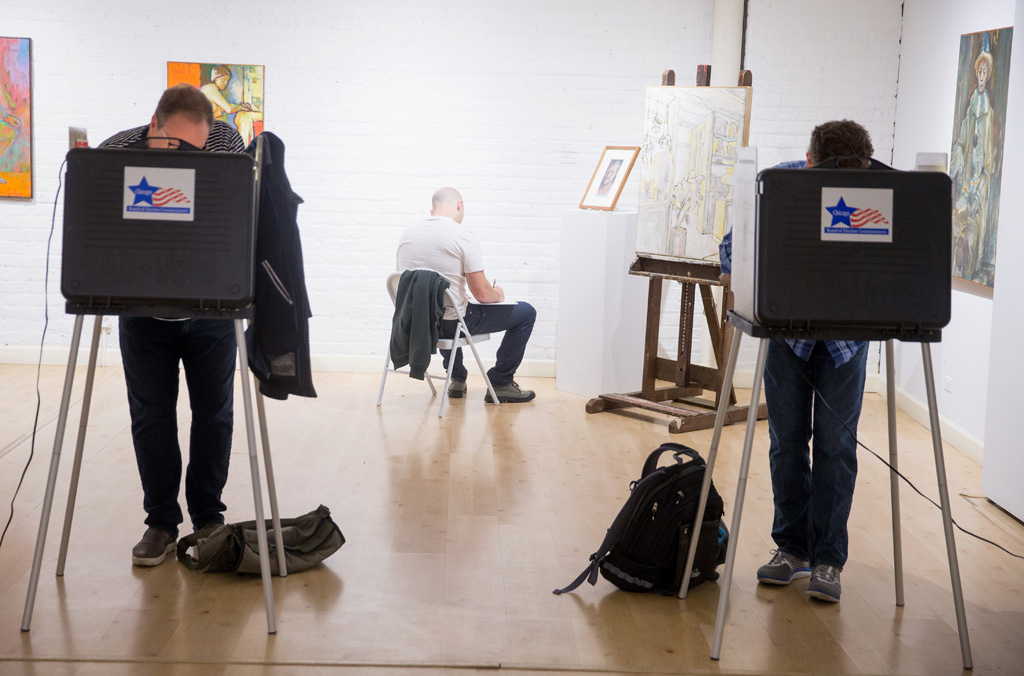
[[530, 368], [952, 433], [58, 356], [109, 355]]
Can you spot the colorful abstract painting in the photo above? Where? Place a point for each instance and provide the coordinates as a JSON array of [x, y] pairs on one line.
[[976, 160], [235, 92], [15, 117], [691, 135]]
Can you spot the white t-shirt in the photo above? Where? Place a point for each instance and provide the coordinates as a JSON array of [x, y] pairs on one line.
[[438, 243]]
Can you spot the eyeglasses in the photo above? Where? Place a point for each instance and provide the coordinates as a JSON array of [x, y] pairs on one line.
[[163, 142]]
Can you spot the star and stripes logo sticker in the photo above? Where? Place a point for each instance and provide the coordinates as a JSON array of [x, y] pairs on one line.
[[159, 193], [855, 217], [157, 197], [856, 214]]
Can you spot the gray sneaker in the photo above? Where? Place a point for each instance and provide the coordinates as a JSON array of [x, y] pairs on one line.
[[510, 394], [782, 569], [154, 546], [457, 389], [824, 583]]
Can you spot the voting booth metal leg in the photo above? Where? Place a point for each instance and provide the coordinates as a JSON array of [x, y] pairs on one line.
[[257, 494], [705, 488], [940, 471], [58, 441], [947, 518], [741, 489], [275, 516], [44, 520], [76, 465], [894, 479]]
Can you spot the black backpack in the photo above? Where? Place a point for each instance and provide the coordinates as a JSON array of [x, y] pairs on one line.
[[645, 548]]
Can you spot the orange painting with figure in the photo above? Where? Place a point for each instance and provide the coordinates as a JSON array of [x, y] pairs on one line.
[[15, 118], [234, 91]]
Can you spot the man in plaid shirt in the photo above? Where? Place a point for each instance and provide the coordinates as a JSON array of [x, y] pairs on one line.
[[813, 485]]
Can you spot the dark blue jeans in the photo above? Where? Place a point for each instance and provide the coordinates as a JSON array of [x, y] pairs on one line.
[[517, 323], [813, 490], [150, 351]]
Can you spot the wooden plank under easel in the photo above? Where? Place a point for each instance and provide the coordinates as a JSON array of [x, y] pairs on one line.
[[683, 398]]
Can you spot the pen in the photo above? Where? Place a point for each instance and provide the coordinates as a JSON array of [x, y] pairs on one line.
[[495, 282]]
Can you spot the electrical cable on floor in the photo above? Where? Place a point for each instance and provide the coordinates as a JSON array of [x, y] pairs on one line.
[[820, 398], [42, 341]]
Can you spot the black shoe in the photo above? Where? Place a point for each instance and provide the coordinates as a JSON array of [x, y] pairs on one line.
[[154, 546], [457, 389], [510, 394]]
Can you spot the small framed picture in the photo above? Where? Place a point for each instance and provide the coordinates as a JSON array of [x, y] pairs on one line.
[[609, 177]]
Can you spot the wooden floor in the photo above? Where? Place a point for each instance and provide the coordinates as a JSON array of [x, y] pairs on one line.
[[458, 530]]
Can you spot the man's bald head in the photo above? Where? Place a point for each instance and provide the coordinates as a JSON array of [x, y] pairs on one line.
[[448, 202]]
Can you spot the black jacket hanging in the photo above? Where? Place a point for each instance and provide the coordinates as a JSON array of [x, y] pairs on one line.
[[278, 337]]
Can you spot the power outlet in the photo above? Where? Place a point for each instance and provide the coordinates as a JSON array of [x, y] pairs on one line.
[[949, 385]]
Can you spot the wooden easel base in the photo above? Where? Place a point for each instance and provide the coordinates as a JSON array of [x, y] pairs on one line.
[[685, 420]]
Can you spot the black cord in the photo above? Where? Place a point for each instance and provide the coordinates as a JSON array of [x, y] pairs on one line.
[[42, 341], [792, 355]]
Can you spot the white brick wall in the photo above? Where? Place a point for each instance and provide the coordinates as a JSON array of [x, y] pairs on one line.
[[812, 61], [815, 61], [380, 103], [820, 60]]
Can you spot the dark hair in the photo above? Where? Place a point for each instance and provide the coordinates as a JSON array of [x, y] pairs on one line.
[[841, 139], [184, 99]]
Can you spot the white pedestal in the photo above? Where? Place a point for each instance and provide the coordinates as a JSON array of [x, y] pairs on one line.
[[602, 309]]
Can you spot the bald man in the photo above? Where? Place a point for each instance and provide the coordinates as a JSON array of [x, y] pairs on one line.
[[441, 243]]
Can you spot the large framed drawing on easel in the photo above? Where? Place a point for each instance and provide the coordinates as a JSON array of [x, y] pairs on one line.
[[686, 169], [690, 144]]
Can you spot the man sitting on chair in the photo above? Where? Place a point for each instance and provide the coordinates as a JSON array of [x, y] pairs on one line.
[[442, 244]]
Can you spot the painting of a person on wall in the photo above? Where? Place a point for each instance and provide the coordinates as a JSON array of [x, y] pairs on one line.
[[977, 152], [235, 92]]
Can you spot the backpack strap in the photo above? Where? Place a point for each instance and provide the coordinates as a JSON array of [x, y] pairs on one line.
[[597, 558], [677, 450], [613, 535], [184, 544]]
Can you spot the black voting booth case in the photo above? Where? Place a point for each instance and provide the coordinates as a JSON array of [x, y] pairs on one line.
[[158, 233], [850, 253], [168, 234], [843, 254]]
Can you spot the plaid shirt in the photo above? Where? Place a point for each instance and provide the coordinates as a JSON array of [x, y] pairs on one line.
[[841, 350]]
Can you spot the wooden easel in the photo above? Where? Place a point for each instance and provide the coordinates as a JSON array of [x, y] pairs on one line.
[[683, 399]]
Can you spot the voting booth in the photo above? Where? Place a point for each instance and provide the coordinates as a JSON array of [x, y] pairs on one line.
[[862, 254], [168, 234], [840, 254]]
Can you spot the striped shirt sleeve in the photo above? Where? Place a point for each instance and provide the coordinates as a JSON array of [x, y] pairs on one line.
[[222, 139]]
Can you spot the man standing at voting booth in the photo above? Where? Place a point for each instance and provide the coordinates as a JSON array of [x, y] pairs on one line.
[[813, 485], [151, 350]]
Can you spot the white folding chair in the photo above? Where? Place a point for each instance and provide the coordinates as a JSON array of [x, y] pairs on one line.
[[462, 339]]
